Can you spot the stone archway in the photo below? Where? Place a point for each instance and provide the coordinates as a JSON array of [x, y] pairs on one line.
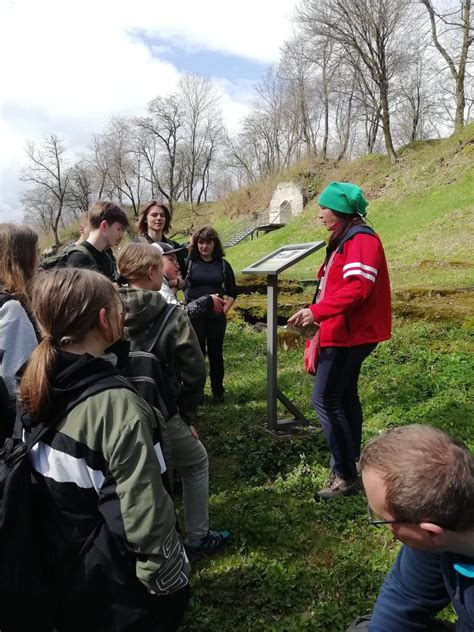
[[285, 212]]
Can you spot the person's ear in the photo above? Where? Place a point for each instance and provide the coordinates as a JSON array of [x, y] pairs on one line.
[[103, 324], [434, 531], [103, 226], [150, 272]]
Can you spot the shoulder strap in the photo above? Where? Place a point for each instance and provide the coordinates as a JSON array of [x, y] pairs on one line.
[[83, 250], [160, 324], [224, 274], [5, 297], [355, 230], [189, 265]]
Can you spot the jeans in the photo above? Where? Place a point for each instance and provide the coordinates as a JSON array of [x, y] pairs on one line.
[[337, 404], [210, 330], [189, 459]]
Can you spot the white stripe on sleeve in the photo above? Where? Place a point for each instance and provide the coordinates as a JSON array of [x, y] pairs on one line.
[[161, 458], [64, 468], [359, 273], [358, 264]]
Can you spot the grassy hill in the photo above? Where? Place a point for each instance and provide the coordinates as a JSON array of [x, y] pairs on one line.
[[423, 209]]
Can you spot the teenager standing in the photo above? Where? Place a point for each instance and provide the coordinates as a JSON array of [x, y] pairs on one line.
[[209, 273], [118, 561]]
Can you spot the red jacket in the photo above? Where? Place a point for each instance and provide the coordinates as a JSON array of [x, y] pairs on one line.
[[355, 308]]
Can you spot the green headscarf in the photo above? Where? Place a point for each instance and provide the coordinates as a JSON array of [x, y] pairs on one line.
[[344, 197]]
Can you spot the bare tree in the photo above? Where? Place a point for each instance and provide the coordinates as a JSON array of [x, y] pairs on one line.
[[202, 131], [159, 137], [453, 27], [47, 171], [81, 188], [370, 33]]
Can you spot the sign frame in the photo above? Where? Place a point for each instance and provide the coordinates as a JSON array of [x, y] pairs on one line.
[[274, 394]]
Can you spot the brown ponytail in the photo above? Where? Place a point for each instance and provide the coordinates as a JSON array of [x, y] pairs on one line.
[[66, 304]]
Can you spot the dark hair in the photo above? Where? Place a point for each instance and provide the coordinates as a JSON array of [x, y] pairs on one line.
[[108, 212], [206, 233], [346, 221], [18, 246], [142, 226], [429, 475], [66, 304]]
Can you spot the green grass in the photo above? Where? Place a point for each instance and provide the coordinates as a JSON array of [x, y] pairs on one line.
[[294, 564]]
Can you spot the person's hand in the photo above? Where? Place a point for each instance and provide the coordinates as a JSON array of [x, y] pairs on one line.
[[194, 432], [218, 303], [302, 318], [181, 282]]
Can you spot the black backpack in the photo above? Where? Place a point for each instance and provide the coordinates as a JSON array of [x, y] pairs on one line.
[[147, 374], [59, 260], [26, 563]]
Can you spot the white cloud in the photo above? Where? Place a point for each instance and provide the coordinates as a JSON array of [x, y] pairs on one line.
[[69, 65]]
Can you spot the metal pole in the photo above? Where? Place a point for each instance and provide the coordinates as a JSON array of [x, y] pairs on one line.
[[272, 315]]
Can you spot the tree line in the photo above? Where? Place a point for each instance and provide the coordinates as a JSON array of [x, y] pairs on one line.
[[357, 76]]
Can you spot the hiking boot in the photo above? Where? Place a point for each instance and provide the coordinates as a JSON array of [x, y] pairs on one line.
[[217, 398], [213, 542], [339, 486]]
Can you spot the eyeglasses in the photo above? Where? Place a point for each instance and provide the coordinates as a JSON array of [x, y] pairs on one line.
[[376, 522]]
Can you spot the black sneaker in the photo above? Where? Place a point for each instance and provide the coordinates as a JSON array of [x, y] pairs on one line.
[[213, 542], [217, 398], [339, 486]]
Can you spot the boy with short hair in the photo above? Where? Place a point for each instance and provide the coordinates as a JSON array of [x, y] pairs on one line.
[[108, 223]]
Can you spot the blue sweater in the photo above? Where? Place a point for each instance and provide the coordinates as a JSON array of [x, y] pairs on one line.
[[419, 585]]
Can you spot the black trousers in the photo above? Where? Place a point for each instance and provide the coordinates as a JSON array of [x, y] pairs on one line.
[[210, 329], [336, 400]]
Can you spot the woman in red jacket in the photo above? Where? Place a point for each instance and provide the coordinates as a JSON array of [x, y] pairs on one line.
[[353, 311]]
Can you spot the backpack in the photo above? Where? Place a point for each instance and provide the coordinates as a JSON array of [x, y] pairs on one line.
[[147, 374], [59, 260], [26, 565]]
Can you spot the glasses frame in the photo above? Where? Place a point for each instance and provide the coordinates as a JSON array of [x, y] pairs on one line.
[[378, 523]]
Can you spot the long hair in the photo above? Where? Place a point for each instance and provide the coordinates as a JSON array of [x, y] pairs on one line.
[[142, 226], [206, 233], [346, 222], [18, 253], [66, 304]]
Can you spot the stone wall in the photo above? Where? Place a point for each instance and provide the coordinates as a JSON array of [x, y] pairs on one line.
[[286, 202]]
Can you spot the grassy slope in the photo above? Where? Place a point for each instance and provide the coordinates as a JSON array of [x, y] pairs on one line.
[[423, 209], [293, 564]]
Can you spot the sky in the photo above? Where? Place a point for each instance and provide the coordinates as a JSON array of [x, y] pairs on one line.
[[68, 66]]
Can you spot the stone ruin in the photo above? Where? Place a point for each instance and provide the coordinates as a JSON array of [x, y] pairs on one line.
[[287, 202]]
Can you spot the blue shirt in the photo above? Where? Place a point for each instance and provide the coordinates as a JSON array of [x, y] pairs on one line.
[[419, 586]]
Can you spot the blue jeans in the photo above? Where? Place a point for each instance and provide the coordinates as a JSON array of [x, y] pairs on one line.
[[190, 460], [336, 400]]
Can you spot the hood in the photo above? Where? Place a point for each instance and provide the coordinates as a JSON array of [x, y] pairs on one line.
[[142, 309], [72, 375]]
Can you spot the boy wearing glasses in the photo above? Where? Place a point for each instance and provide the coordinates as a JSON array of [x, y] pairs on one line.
[[419, 482]]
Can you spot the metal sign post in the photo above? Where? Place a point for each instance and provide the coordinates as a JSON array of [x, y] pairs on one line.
[[271, 265]]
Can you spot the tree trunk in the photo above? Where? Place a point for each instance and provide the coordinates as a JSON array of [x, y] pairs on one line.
[[387, 133]]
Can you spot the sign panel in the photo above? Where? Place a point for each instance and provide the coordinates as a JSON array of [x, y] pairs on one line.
[[283, 258]]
